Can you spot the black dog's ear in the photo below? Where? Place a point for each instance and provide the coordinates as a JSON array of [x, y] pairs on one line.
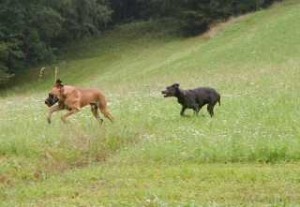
[[176, 85]]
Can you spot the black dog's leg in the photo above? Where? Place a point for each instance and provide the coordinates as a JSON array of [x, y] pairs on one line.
[[182, 110], [196, 109], [210, 109], [199, 106]]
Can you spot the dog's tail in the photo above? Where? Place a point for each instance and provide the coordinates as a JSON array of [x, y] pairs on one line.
[[107, 114], [219, 100], [104, 110]]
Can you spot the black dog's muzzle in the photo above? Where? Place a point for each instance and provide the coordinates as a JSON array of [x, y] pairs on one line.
[[166, 93]]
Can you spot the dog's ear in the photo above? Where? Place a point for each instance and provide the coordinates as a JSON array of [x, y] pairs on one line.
[[176, 85], [58, 83]]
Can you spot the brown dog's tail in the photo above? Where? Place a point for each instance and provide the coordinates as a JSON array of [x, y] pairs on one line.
[[102, 104], [107, 114], [104, 110]]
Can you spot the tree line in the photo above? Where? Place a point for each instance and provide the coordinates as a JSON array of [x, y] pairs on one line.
[[33, 31]]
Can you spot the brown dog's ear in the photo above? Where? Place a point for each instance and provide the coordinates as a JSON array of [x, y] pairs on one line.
[[58, 83]]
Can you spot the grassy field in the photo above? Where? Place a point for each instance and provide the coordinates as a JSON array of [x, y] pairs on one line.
[[247, 155]]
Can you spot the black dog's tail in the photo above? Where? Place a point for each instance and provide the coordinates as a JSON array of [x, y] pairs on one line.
[[219, 100]]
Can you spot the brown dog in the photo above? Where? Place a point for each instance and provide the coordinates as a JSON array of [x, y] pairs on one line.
[[73, 99]]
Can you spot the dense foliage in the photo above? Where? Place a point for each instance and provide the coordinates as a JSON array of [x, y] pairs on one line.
[[194, 16], [32, 31]]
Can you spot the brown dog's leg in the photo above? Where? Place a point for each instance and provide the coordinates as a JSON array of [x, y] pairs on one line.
[[72, 111], [52, 110], [95, 112]]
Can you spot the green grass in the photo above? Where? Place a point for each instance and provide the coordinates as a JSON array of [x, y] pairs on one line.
[[247, 155]]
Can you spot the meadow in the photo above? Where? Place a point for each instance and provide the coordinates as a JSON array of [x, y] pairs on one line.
[[247, 155]]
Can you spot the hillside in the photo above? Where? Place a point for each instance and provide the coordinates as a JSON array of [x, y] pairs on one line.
[[247, 155]]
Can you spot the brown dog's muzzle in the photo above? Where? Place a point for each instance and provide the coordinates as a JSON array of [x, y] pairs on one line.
[[51, 100]]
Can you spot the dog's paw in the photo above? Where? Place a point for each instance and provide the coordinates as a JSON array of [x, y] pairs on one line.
[[100, 121]]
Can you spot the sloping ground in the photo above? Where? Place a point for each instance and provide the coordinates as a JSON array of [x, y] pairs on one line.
[[247, 155]]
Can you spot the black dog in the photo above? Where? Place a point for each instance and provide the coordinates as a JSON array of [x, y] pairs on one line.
[[194, 99]]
